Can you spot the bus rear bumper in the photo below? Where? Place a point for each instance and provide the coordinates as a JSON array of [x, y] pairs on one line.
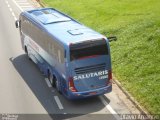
[[86, 94]]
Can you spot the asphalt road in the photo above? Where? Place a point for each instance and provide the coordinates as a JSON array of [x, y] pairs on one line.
[[26, 92]]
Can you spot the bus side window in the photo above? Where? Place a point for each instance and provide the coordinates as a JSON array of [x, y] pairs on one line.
[[49, 44], [59, 56], [62, 54]]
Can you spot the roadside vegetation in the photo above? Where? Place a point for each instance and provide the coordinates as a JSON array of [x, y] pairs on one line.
[[136, 54]]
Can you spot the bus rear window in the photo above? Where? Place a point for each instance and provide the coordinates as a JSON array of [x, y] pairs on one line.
[[88, 49]]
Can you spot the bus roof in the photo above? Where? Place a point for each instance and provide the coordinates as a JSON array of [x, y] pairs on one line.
[[64, 28]]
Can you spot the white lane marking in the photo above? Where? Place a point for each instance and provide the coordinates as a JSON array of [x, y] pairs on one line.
[[14, 16], [8, 5], [23, 5], [48, 83], [58, 102], [17, 5], [111, 110], [11, 10]]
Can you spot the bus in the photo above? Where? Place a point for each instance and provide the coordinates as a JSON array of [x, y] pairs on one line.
[[75, 58]]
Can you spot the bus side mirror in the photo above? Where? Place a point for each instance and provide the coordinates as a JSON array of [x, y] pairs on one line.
[[112, 38], [17, 23]]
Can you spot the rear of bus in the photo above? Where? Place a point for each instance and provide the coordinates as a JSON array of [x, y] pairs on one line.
[[90, 71]]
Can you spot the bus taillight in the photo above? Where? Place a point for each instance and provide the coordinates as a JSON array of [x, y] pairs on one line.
[[71, 85], [109, 82]]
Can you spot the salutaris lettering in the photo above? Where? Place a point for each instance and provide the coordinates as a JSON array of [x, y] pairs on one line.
[[91, 75]]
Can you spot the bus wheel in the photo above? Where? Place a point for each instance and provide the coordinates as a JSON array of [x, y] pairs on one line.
[[26, 51], [58, 87], [51, 79]]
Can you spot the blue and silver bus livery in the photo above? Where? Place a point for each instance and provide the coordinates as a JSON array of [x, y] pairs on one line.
[[75, 58]]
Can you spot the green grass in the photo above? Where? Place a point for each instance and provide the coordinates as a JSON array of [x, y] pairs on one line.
[[136, 54]]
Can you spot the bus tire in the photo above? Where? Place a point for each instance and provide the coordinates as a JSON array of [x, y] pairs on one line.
[[57, 86], [51, 79], [26, 51]]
